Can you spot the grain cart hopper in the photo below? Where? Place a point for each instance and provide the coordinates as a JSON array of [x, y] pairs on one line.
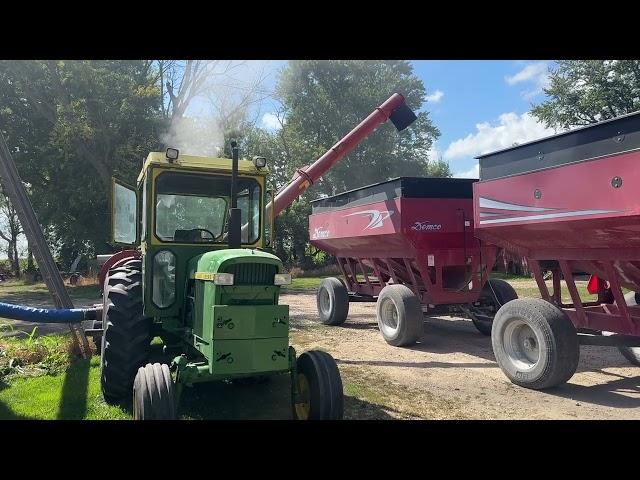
[[567, 203], [197, 275], [407, 244]]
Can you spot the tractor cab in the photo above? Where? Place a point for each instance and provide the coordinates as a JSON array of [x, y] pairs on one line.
[[181, 209]]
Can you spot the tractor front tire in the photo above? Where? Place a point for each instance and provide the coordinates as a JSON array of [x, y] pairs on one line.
[[333, 301], [153, 393], [126, 338], [319, 388], [399, 315], [495, 292]]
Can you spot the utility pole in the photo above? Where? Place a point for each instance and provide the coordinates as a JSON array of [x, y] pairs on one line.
[[18, 195]]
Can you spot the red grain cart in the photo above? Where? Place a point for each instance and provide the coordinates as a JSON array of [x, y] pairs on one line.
[[409, 245], [568, 203]]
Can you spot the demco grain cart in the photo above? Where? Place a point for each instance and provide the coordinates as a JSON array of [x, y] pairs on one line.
[[568, 203], [408, 244]]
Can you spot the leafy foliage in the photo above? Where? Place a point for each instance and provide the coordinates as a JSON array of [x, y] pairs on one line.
[[587, 91]]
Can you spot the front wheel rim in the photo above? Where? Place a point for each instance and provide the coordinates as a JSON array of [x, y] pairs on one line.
[[325, 301], [389, 316], [303, 404], [521, 344]]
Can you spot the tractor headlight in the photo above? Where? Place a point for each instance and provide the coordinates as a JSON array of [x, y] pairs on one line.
[[223, 278], [164, 278], [259, 162], [282, 279]]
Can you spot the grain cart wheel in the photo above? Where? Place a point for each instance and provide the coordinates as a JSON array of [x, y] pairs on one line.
[[496, 293], [126, 336], [320, 395], [153, 393], [535, 343], [399, 315], [632, 354], [333, 301]]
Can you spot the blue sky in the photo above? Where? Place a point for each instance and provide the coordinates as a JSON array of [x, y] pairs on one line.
[[478, 105]]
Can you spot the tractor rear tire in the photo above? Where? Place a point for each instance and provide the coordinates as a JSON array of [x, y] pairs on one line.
[[153, 393], [535, 343], [333, 301], [320, 394], [399, 315], [126, 338], [496, 292], [632, 354]]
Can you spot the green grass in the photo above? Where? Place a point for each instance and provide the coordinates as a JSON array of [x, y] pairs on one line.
[[304, 283], [72, 395]]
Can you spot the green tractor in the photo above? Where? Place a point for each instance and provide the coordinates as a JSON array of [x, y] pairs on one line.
[[198, 274]]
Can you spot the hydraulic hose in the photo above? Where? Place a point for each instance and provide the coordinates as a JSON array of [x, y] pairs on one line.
[[46, 315]]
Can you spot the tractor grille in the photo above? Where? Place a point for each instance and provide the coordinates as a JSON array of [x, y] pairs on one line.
[[252, 273]]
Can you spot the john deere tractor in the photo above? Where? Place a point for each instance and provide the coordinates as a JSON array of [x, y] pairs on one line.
[[198, 274]]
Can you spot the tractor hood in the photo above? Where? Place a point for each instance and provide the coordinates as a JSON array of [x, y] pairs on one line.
[[220, 260]]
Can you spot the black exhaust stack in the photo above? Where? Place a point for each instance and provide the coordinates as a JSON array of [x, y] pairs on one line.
[[235, 226]]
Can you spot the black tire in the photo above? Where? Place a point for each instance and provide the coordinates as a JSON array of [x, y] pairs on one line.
[[535, 343], [399, 315], [320, 386], [632, 354], [332, 300], [126, 336], [495, 292], [153, 393]]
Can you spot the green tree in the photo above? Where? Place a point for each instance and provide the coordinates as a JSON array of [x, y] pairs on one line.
[[324, 100], [70, 126], [582, 92]]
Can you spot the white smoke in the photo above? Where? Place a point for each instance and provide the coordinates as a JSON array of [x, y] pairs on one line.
[[230, 95], [195, 136]]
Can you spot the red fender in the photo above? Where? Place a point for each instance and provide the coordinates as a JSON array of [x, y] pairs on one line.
[[115, 260]]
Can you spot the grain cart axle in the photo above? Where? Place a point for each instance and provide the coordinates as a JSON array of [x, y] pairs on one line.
[[197, 272]]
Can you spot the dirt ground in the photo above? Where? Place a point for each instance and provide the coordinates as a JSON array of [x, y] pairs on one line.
[[451, 373]]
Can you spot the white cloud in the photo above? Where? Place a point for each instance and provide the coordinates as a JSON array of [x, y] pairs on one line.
[[435, 97], [270, 121], [536, 75], [473, 172], [510, 129]]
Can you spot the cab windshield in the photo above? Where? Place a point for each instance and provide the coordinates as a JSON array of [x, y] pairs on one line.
[[193, 208]]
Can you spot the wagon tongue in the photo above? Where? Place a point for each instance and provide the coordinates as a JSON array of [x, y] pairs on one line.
[[402, 117]]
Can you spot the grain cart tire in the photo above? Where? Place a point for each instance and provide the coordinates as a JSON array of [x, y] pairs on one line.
[[495, 292], [399, 315], [153, 393], [333, 301], [320, 395], [126, 336], [535, 343], [632, 354]]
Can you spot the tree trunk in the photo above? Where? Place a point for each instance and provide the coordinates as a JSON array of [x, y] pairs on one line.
[[16, 259], [30, 265]]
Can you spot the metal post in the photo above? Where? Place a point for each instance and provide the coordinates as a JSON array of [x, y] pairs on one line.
[[15, 190]]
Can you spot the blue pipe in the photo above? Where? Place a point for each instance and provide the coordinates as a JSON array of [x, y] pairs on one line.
[[46, 315]]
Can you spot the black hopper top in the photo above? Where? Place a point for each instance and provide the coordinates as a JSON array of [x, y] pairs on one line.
[[608, 137], [407, 187]]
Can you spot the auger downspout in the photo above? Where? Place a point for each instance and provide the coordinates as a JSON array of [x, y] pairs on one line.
[[393, 108]]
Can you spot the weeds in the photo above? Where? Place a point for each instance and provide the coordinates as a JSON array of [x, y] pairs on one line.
[[33, 356]]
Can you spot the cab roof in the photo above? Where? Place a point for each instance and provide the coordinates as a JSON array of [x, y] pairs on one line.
[[204, 163]]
